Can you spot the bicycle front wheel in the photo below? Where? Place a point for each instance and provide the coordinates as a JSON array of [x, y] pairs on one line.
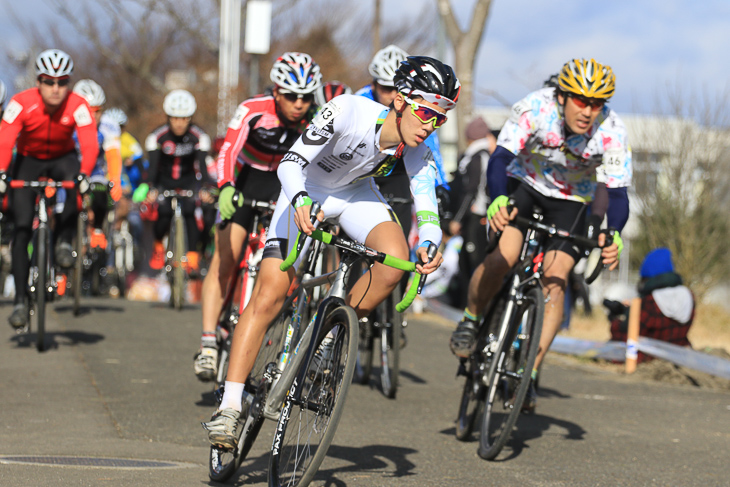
[[364, 362], [391, 326], [79, 263], [509, 374], [41, 287], [178, 271], [315, 402]]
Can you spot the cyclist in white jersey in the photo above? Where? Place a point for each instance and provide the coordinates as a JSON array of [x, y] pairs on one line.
[[350, 140], [553, 152]]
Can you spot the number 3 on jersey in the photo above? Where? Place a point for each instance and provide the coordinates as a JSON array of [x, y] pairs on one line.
[[326, 114]]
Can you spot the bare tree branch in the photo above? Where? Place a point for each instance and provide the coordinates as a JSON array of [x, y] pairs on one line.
[[194, 29]]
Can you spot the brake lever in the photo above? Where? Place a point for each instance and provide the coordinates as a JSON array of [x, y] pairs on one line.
[[314, 210], [430, 254]]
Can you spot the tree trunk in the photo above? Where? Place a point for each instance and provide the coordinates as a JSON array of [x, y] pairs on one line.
[[466, 45]]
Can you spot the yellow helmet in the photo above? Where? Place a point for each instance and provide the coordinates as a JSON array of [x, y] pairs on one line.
[[587, 78]]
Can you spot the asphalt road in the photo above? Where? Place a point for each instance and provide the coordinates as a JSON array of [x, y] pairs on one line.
[[117, 383]]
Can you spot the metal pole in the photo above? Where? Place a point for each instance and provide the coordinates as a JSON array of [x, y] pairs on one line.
[[228, 61], [376, 27], [253, 88]]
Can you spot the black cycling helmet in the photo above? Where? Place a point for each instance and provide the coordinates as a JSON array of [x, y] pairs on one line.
[[430, 79]]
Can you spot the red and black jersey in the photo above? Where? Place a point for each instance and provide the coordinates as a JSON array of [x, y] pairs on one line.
[[174, 159], [257, 137], [35, 132]]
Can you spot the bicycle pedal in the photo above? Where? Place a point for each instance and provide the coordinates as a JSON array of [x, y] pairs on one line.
[[461, 371]]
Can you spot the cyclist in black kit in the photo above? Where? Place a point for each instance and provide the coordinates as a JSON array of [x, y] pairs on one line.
[[176, 153]]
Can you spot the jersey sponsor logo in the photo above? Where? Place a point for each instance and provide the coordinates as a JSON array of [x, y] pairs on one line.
[[238, 117], [294, 157], [82, 116], [168, 147], [427, 217], [324, 167], [326, 114], [315, 135], [347, 156], [12, 112], [383, 169]]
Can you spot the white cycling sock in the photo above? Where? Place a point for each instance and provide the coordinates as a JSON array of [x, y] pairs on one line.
[[232, 396]]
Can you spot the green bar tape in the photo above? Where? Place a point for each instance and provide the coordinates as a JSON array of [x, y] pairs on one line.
[[292, 257], [410, 295], [404, 265]]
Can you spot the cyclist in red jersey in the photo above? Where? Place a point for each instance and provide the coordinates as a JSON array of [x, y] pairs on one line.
[[40, 123], [261, 132], [3, 96]]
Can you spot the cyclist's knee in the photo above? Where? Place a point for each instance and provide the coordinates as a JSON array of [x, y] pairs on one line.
[[555, 284], [498, 265], [387, 276]]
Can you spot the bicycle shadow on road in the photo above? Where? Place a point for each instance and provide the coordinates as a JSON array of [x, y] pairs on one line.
[[207, 399], [55, 340], [375, 459], [533, 426]]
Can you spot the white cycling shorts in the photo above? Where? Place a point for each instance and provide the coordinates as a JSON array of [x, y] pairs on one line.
[[358, 208]]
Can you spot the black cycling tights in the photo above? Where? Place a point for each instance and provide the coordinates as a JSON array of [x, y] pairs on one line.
[[164, 217], [22, 203], [100, 207]]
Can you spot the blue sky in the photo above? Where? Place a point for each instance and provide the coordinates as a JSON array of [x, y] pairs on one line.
[[648, 43]]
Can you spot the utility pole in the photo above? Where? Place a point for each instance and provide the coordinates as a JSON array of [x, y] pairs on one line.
[[376, 27], [228, 61]]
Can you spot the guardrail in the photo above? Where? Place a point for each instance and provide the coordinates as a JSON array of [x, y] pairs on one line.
[[618, 351]]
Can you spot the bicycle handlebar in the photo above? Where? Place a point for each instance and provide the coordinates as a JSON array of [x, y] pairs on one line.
[[252, 203], [184, 193], [18, 183], [383, 258], [553, 231]]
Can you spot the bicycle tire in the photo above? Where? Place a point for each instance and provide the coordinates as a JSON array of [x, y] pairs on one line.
[[78, 264], [391, 326], [178, 271], [224, 463], [476, 367], [121, 267], [96, 266], [328, 379], [40, 288], [509, 374], [364, 362], [224, 344]]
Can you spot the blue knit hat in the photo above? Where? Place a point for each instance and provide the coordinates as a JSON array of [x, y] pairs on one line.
[[658, 261]]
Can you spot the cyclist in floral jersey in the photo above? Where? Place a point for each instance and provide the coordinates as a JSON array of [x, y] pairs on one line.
[[561, 148], [261, 132]]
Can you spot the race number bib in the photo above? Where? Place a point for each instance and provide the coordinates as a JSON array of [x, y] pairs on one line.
[[326, 114], [238, 117], [12, 112], [82, 116]]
